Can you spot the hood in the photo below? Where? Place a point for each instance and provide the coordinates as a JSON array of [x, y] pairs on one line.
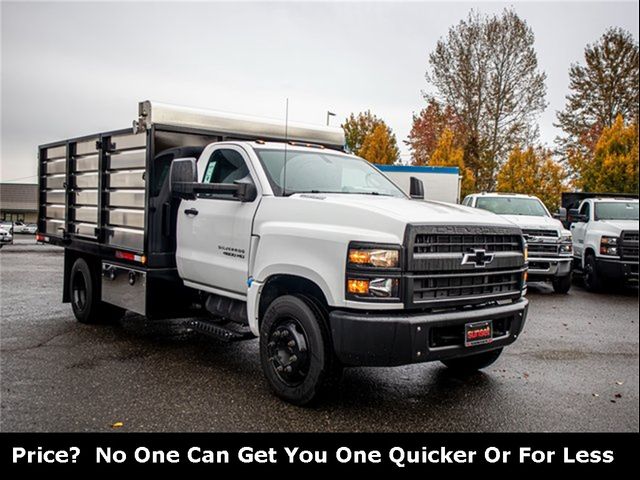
[[535, 222], [618, 225], [411, 211]]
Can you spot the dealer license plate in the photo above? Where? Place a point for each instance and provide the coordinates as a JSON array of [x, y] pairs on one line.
[[478, 333]]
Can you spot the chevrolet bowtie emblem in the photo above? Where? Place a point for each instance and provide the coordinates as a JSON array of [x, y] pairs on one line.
[[478, 257]]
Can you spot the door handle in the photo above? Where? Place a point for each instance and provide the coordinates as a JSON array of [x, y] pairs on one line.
[[191, 211]]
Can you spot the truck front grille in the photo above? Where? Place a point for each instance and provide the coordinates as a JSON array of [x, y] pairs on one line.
[[629, 246], [530, 232], [437, 276]]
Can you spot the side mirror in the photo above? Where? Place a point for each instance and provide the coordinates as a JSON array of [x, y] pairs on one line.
[[183, 174], [247, 191], [561, 215], [416, 188], [575, 216]]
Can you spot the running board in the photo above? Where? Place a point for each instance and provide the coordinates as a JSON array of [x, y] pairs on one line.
[[221, 332]]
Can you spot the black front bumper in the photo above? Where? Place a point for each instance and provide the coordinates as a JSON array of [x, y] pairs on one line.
[[617, 269], [387, 339]]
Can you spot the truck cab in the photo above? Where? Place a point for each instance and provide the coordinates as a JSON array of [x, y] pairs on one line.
[[605, 240], [549, 243], [253, 228]]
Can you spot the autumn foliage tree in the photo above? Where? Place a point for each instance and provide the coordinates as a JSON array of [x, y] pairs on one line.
[[379, 146], [613, 167], [448, 154], [427, 128], [370, 137], [532, 171], [486, 70], [603, 88]]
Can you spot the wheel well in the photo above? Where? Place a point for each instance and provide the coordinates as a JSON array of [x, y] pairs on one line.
[[278, 285]]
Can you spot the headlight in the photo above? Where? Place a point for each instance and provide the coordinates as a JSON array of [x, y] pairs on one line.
[[609, 246], [374, 257], [373, 287], [526, 252], [566, 248]]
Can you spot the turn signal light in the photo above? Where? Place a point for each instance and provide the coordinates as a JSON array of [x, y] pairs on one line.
[[358, 286]]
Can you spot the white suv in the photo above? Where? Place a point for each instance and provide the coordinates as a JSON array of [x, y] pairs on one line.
[[550, 244]]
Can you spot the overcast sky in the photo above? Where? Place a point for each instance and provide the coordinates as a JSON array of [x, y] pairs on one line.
[[79, 68]]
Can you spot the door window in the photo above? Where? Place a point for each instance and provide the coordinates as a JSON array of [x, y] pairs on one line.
[[225, 166], [584, 210]]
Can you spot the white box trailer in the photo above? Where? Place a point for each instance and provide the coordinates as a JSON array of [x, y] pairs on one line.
[[440, 183]]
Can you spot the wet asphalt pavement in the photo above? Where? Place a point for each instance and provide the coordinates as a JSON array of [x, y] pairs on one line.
[[575, 368]]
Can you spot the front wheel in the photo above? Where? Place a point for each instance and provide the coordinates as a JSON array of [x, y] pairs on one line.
[[562, 284], [472, 363], [590, 277], [295, 350]]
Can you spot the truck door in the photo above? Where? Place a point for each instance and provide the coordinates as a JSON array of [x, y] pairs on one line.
[[214, 231], [579, 230]]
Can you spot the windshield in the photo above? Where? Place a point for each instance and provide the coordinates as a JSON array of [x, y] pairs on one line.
[[513, 206], [616, 211], [320, 172]]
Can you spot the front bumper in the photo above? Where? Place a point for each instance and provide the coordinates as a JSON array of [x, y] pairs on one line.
[[549, 266], [387, 339], [616, 268]]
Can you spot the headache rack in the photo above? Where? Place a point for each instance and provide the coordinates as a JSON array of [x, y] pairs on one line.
[[107, 192]]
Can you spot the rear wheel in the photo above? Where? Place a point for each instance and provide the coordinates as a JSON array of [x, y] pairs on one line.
[[295, 350], [84, 291], [591, 278], [562, 284], [472, 363]]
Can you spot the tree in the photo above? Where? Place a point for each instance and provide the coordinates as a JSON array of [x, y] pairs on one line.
[[357, 127], [614, 166], [602, 89], [486, 69], [427, 128], [380, 146], [532, 171], [448, 154]]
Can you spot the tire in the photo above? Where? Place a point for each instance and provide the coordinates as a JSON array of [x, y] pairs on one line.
[[562, 284], [295, 350], [472, 363], [590, 277], [84, 292]]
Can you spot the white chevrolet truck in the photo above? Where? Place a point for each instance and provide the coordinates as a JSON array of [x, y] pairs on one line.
[[549, 243], [605, 240], [258, 228]]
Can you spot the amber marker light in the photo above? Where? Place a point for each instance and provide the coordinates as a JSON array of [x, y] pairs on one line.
[[358, 286]]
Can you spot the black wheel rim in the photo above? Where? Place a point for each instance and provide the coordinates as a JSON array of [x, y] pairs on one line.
[[79, 291], [288, 351], [588, 274]]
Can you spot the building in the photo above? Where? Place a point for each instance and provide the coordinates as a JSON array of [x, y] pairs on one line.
[[19, 202]]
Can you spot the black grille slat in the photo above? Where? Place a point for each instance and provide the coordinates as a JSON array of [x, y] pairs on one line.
[[540, 233], [542, 248], [629, 245]]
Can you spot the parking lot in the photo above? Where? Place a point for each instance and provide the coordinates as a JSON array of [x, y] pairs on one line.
[[575, 368]]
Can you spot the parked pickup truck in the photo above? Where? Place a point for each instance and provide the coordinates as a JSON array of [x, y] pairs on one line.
[[549, 243], [605, 240], [257, 228]]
